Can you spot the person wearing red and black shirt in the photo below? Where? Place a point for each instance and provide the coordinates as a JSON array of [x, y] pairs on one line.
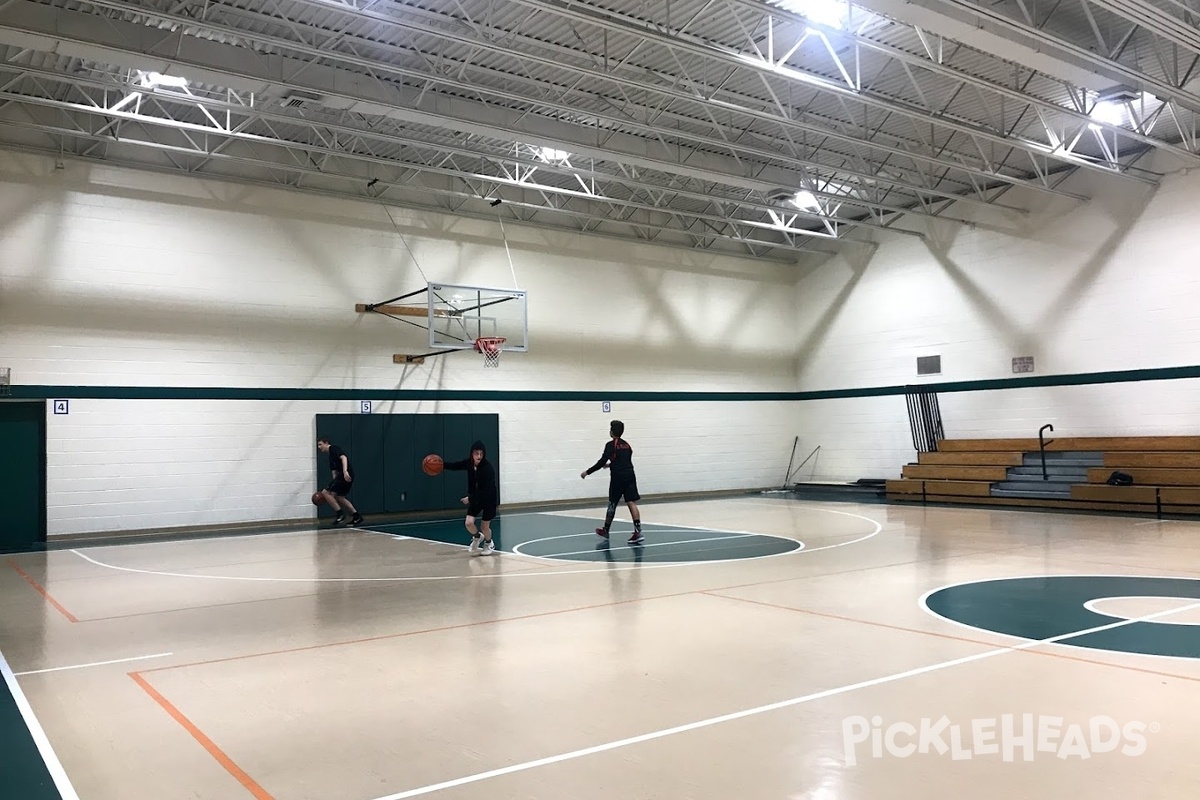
[[622, 480]]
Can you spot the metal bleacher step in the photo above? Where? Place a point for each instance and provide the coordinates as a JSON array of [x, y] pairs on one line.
[[1062, 470], [1059, 475], [1065, 458], [1030, 490]]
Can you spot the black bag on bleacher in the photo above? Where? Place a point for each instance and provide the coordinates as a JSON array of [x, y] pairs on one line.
[[1119, 478]]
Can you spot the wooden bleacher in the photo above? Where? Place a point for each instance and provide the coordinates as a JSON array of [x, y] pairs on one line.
[[1165, 471]]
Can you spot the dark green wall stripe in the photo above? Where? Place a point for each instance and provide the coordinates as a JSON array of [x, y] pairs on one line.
[[235, 393], [252, 393]]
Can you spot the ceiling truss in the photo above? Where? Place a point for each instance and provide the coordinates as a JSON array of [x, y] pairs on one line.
[[734, 126]]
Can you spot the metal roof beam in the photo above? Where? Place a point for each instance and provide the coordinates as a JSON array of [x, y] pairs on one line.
[[1006, 16], [853, 88], [732, 212], [246, 69], [355, 182], [375, 133], [513, 120]]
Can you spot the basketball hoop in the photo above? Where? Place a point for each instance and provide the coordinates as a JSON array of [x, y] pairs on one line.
[[490, 346]]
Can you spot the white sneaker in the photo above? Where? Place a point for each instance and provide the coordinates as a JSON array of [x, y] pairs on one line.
[[487, 549], [474, 548]]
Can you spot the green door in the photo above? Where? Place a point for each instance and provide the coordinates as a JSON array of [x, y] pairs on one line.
[[386, 450], [367, 438], [23, 475]]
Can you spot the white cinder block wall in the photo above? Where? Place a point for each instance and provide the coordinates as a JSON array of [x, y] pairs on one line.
[[119, 278], [1109, 285]]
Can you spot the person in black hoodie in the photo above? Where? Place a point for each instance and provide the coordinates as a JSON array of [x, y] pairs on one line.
[[481, 497]]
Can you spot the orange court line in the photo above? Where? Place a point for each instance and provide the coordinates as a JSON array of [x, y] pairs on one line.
[[441, 629], [205, 742], [711, 592], [463, 626], [382, 637], [183, 609], [42, 591], [889, 626]]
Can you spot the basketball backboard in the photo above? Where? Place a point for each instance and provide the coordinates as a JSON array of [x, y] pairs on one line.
[[460, 314]]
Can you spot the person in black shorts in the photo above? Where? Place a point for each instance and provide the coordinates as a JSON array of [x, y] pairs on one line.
[[622, 481], [481, 499], [343, 479]]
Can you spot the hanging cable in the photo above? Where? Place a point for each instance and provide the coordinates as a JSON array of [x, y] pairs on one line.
[[396, 228], [405, 241], [507, 252]]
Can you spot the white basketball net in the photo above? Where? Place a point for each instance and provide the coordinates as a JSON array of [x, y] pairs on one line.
[[491, 351]]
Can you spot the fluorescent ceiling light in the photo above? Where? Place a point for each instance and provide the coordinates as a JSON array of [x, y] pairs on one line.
[[806, 199], [830, 13], [549, 154], [158, 79], [1108, 112]]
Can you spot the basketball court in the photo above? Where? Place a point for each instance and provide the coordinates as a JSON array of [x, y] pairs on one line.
[[750, 230], [757, 645]]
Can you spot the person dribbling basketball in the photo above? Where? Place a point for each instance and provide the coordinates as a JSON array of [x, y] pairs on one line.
[[481, 499], [343, 480]]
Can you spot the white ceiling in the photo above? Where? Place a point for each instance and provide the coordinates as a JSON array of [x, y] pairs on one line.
[[690, 123]]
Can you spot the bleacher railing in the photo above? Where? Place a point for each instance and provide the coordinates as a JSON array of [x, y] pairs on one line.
[[924, 419]]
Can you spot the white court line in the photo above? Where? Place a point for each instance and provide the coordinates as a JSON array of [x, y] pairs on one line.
[[795, 701], [184, 539], [1089, 605], [315, 527], [660, 527], [94, 664], [605, 569], [805, 506], [666, 527], [458, 518], [53, 765], [923, 602], [302, 529]]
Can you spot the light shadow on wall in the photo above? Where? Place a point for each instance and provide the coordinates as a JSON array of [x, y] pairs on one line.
[[941, 238], [47, 198], [175, 323], [212, 193], [343, 346], [857, 258], [44, 184], [1127, 211]]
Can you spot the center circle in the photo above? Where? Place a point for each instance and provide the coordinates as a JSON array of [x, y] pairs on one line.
[[661, 546], [1134, 608], [1137, 614]]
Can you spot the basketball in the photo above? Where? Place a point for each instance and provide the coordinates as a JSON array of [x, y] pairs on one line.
[[432, 465], [318, 499]]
